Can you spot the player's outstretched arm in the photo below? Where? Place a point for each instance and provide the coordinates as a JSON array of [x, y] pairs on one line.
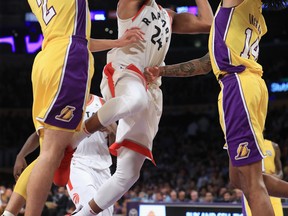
[[187, 23], [190, 68], [29, 146], [132, 35]]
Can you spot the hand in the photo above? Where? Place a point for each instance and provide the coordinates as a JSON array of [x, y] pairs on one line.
[[78, 136], [131, 35], [19, 166], [151, 73]]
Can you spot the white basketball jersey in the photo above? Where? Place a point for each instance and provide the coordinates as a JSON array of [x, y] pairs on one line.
[[93, 151], [155, 22]]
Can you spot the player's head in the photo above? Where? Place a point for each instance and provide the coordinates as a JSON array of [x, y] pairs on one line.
[[275, 4]]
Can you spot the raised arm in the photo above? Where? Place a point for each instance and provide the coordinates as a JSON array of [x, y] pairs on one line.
[[190, 68], [187, 23], [132, 35]]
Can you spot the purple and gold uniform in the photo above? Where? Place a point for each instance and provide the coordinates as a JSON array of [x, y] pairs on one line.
[[234, 48], [62, 71]]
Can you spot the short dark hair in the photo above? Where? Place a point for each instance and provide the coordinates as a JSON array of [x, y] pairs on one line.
[[275, 4]]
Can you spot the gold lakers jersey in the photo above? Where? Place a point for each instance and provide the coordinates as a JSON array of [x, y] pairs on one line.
[[234, 38], [62, 19]]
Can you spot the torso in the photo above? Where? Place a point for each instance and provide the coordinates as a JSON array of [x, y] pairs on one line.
[[234, 38], [155, 22]]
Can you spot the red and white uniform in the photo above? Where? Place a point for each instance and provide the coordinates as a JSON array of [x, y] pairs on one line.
[[90, 163], [139, 107]]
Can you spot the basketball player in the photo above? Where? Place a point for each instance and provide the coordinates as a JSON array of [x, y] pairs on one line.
[[18, 198], [61, 77], [234, 48], [129, 99], [89, 167], [272, 166]]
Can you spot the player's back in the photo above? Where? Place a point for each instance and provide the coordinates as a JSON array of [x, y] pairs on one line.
[[234, 38], [62, 19], [155, 22]]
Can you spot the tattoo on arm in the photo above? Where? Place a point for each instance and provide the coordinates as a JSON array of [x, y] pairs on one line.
[[186, 69]]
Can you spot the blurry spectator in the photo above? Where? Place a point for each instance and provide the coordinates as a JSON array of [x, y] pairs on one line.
[[194, 196], [209, 198], [117, 208], [237, 196], [173, 196], [227, 197], [182, 196], [158, 197]]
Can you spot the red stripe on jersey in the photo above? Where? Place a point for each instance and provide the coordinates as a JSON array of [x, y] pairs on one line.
[[69, 184], [136, 69], [109, 71], [132, 146]]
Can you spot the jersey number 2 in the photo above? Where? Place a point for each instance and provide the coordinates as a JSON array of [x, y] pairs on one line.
[[47, 13], [252, 49]]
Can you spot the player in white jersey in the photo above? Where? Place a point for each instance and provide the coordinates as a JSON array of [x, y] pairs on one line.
[[90, 165], [136, 104]]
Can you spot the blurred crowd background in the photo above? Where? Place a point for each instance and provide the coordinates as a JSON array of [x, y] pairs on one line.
[[191, 164]]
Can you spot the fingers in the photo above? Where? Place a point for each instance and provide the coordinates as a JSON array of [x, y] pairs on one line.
[[135, 32], [151, 74], [17, 172]]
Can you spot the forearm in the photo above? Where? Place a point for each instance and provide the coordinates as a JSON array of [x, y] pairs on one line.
[[205, 12], [97, 45], [30, 145], [187, 69]]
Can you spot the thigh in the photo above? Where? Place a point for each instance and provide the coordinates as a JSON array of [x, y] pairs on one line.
[[60, 86], [241, 100], [81, 186]]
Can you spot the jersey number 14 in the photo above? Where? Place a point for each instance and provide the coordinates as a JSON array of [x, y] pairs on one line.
[[252, 49]]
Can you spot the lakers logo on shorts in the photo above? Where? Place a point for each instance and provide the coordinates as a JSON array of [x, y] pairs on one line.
[[66, 114], [242, 151]]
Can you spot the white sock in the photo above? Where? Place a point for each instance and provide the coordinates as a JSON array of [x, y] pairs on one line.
[[7, 213], [86, 210]]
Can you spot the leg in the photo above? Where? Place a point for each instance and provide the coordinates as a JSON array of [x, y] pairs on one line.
[[129, 164], [15, 204], [131, 97], [40, 180], [253, 187], [275, 186], [18, 198]]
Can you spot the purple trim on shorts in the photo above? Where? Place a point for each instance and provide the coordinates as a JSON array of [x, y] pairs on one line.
[[81, 18], [221, 51], [239, 135], [244, 210], [71, 93]]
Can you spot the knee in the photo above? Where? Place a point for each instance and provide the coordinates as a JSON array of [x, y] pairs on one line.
[[137, 102], [126, 179]]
